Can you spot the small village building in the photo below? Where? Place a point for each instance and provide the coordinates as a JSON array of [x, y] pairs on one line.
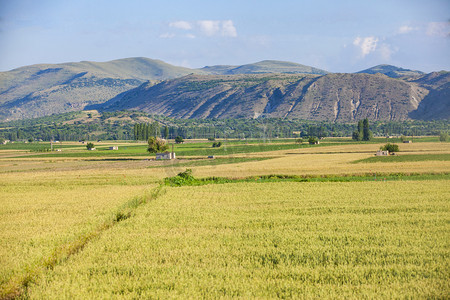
[[165, 155], [382, 153], [114, 148], [407, 142]]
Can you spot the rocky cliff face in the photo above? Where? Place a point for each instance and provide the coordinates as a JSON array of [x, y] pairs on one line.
[[332, 97]]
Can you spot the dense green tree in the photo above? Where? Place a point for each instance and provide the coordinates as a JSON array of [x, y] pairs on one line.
[[313, 140], [166, 132], [359, 133], [157, 145], [390, 147], [90, 146], [367, 134], [179, 140]]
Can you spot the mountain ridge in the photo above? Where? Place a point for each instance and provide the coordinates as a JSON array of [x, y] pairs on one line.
[[44, 89], [335, 97]]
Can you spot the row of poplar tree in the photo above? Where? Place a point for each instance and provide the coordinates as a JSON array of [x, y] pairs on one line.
[[363, 132], [143, 131]]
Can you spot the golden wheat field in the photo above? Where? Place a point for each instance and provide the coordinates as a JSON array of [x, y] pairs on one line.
[[269, 240], [109, 228]]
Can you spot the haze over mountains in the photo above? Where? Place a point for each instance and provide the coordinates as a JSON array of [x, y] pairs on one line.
[[267, 88]]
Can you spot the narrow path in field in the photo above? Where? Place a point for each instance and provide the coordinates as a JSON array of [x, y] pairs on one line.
[[17, 286]]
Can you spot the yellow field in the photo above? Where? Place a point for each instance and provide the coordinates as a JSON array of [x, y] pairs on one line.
[[42, 211], [270, 240], [337, 239], [335, 160]]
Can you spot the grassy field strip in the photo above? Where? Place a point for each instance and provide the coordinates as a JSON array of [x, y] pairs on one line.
[[40, 212], [408, 157], [372, 148], [311, 164], [360, 240]]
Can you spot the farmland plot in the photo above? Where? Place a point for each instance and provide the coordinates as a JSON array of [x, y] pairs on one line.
[[46, 211], [268, 240]]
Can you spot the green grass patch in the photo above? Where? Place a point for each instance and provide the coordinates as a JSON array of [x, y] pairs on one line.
[[188, 149], [187, 179], [406, 158]]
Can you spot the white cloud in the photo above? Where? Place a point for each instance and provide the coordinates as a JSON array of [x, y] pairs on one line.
[[438, 29], [386, 51], [406, 29], [228, 29], [366, 44], [181, 25], [209, 27], [167, 35], [217, 28]]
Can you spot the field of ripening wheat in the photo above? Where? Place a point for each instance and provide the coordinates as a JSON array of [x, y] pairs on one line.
[[268, 240]]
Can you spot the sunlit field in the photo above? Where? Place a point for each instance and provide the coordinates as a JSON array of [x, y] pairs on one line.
[[79, 224], [42, 211], [288, 240]]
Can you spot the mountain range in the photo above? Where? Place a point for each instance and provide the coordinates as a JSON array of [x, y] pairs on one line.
[[263, 89]]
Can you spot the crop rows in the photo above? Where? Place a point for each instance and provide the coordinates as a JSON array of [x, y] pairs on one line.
[[268, 240]]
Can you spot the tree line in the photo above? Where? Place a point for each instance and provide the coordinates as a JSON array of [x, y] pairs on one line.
[[114, 126]]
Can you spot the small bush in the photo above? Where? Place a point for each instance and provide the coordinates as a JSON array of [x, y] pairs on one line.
[[299, 141], [217, 145], [90, 146], [443, 136], [182, 178]]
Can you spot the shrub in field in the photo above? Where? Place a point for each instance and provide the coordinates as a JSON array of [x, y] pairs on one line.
[[90, 146], [313, 140], [156, 145], [217, 145], [443, 136], [179, 140], [182, 178], [390, 147], [299, 141]]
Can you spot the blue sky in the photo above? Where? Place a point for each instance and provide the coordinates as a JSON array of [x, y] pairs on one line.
[[338, 36]]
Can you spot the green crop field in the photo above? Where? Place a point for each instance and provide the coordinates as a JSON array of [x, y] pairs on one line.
[[405, 158], [261, 220]]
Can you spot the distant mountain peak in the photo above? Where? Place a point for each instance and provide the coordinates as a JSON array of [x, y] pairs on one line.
[[392, 71], [264, 66]]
